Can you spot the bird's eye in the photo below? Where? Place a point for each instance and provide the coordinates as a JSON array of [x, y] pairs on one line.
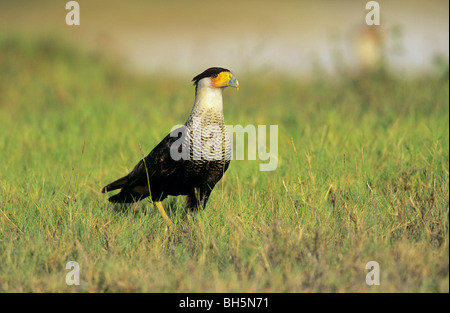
[[214, 76]]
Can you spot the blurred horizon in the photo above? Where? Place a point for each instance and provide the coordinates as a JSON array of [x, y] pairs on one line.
[[292, 37]]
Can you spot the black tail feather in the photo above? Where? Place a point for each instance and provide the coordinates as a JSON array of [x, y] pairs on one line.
[[116, 184]]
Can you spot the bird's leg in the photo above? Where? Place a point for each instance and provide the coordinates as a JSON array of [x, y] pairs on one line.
[[164, 215], [204, 195], [191, 203]]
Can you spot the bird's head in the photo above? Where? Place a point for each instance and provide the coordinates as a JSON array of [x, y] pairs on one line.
[[215, 77]]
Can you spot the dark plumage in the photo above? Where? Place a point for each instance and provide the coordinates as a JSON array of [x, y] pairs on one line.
[[210, 72], [192, 177]]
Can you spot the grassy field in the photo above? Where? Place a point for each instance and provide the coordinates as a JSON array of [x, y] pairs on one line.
[[362, 176]]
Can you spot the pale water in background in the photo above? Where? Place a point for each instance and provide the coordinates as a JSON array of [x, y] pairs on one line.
[[295, 37]]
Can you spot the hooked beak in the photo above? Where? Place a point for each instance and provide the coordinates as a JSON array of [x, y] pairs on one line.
[[233, 82]]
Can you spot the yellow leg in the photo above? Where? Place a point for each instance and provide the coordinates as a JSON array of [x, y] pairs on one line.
[[164, 215]]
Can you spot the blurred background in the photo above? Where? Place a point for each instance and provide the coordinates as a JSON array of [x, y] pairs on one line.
[[363, 145], [288, 37]]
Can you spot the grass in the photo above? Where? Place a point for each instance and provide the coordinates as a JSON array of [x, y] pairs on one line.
[[362, 176]]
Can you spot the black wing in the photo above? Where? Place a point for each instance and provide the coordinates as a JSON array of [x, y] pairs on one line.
[[156, 165]]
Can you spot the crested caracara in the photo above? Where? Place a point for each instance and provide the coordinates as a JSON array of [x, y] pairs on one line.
[[190, 160]]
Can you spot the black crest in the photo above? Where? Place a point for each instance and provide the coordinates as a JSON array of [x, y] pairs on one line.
[[208, 73]]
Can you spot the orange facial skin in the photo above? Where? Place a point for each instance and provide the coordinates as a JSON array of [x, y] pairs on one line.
[[223, 79]]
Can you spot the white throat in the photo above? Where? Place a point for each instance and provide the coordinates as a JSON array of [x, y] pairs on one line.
[[207, 97], [208, 103]]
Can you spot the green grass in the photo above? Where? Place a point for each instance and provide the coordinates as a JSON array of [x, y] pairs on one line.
[[362, 176]]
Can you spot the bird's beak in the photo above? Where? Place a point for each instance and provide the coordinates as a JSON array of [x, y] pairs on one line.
[[233, 82], [225, 79]]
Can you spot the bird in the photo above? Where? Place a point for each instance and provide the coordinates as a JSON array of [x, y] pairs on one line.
[[191, 159]]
